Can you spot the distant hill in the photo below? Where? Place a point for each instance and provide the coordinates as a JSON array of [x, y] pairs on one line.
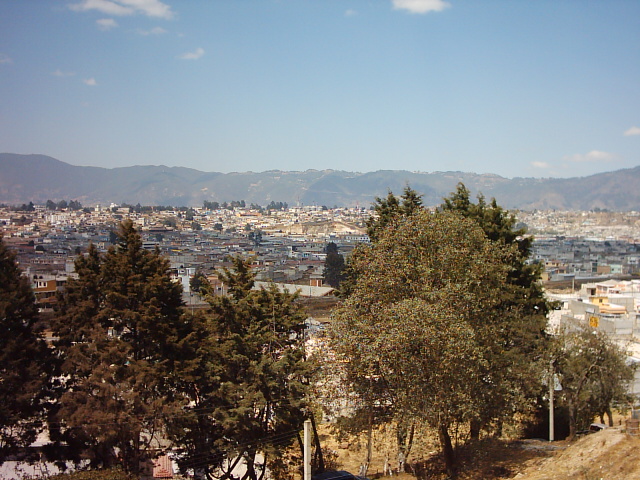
[[39, 178]]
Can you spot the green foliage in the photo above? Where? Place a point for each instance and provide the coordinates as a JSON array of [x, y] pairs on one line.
[[522, 300], [26, 364], [171, 222], [120, 330], [420, 325], [390, 208], [277, 205], [250, 379], [333, 266], [198, 282], [501, 227], [433, 326], [593, 373]]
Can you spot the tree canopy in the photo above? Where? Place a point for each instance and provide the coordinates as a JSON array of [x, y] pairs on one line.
[[593, 373], [250, 383], [120, 329], [26, 363], [462, 270], [422, 320], [333, 266]]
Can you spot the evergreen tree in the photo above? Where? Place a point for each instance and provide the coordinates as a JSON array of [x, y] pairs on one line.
[[333, 266], [26, 364], [201, 444], [251, 384], [120, 330], [390, 208], [500, 227], [198, 282]]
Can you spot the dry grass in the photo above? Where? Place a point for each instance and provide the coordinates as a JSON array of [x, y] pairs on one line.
[[611, 454]]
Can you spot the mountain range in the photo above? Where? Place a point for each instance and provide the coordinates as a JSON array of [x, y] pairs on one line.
[[38, 178]]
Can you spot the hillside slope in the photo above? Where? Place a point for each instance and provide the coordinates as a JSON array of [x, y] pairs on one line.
[[610, 454]]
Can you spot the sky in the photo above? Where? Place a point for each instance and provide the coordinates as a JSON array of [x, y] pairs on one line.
[[517, 88]]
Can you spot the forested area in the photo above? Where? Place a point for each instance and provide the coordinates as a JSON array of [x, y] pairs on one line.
[[441, 328]]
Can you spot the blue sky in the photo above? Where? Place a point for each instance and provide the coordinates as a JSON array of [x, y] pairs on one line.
[[512, 87]]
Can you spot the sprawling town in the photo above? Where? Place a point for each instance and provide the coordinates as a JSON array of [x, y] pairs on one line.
[[591, 259], [288, 244]]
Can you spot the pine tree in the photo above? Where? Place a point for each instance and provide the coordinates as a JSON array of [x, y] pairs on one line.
[[391, 208], [26, 364], [252, 382], [120, 326], [333, 266]]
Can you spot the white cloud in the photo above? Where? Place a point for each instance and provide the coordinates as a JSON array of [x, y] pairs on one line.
[[420, 6], [350, 13], [4, 58], [195, 55], [632, 131], [592, 156], [104, 6], [60, 73], [540, 164], [90, 81], [153, 31], [150, 8], [106, 23]]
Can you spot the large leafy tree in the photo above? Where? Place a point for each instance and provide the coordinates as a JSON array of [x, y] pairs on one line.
[[120, 330], [421, 329], [386, 210], [249, 388], [26, 364], [500, 226], [522, 298]]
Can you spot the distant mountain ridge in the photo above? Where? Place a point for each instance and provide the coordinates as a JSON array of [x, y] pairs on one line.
[[39, 178]]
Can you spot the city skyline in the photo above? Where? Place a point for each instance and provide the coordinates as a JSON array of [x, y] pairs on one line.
[[519, 89]]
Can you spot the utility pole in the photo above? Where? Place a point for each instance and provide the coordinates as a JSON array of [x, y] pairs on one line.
[[551, 392], [307, 450]]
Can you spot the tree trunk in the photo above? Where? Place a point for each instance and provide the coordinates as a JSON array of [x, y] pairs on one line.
[[319, 458], [405, 442], [474, 429], [386, 469], [401, 435], [609, 416], [369, 445], [447, 450], [572, 422]]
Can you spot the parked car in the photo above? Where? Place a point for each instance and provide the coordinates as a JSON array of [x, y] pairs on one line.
[[596, 427]]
